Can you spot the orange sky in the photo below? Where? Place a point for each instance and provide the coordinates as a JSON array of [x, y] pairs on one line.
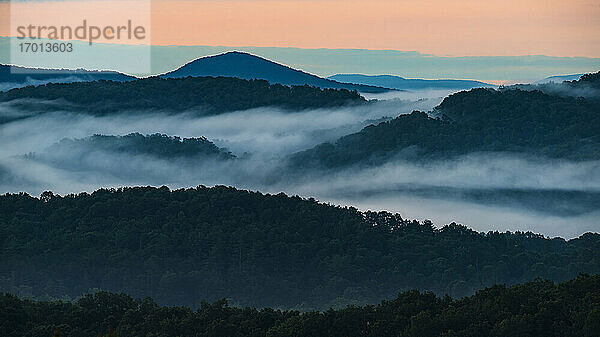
[[441, 27]]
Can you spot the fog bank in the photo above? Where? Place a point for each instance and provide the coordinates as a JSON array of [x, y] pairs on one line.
[[486, 191]]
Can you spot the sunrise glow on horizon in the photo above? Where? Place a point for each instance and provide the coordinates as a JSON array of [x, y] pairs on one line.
[[457, 28]]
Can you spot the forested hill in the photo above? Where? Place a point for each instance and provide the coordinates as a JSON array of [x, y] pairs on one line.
[[156, 145], [540, 308], [186, 246], [206, 95], [587, 80], [591, 78], [587, 85], [248, 66], [473, 121]]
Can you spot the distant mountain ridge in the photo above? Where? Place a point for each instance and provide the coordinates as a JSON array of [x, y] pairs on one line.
[[206, 95], [401, 83], [24, 75], [559, 78], [586, 86], [248, 66]]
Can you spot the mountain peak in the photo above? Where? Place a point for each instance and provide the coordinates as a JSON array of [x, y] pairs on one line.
[[248, 66], [232, 54]]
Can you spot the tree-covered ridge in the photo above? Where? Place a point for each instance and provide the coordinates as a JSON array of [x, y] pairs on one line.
[[210, 95], [376, 144], [16, 74], [189, 245], [586, 85], [515, 106], [539, 308], [474, 121], [156, 145], [592, 79]]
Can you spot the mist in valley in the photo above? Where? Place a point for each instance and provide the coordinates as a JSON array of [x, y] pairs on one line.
[[485, 191]]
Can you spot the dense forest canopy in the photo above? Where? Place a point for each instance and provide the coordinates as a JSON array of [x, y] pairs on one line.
[[189, 245], [156, 145], [592, 79], [478, 120], [207, 95], [539, 308]]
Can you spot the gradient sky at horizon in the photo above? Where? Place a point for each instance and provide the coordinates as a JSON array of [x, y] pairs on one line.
[[446, 29], [440, 27]]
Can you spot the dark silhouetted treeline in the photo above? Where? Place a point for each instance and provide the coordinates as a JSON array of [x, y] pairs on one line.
[[588, 86], [206, 95], [479, 120], [592, 79], [156, 145], [185, 246], [539, 308]]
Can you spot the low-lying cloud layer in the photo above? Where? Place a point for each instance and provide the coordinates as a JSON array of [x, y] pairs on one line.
[[484, 191]]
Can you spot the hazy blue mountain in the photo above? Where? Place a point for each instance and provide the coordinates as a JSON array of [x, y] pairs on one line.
[[401, 83], [248, 66], [325, 62], [559, 79], [15, 76]]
